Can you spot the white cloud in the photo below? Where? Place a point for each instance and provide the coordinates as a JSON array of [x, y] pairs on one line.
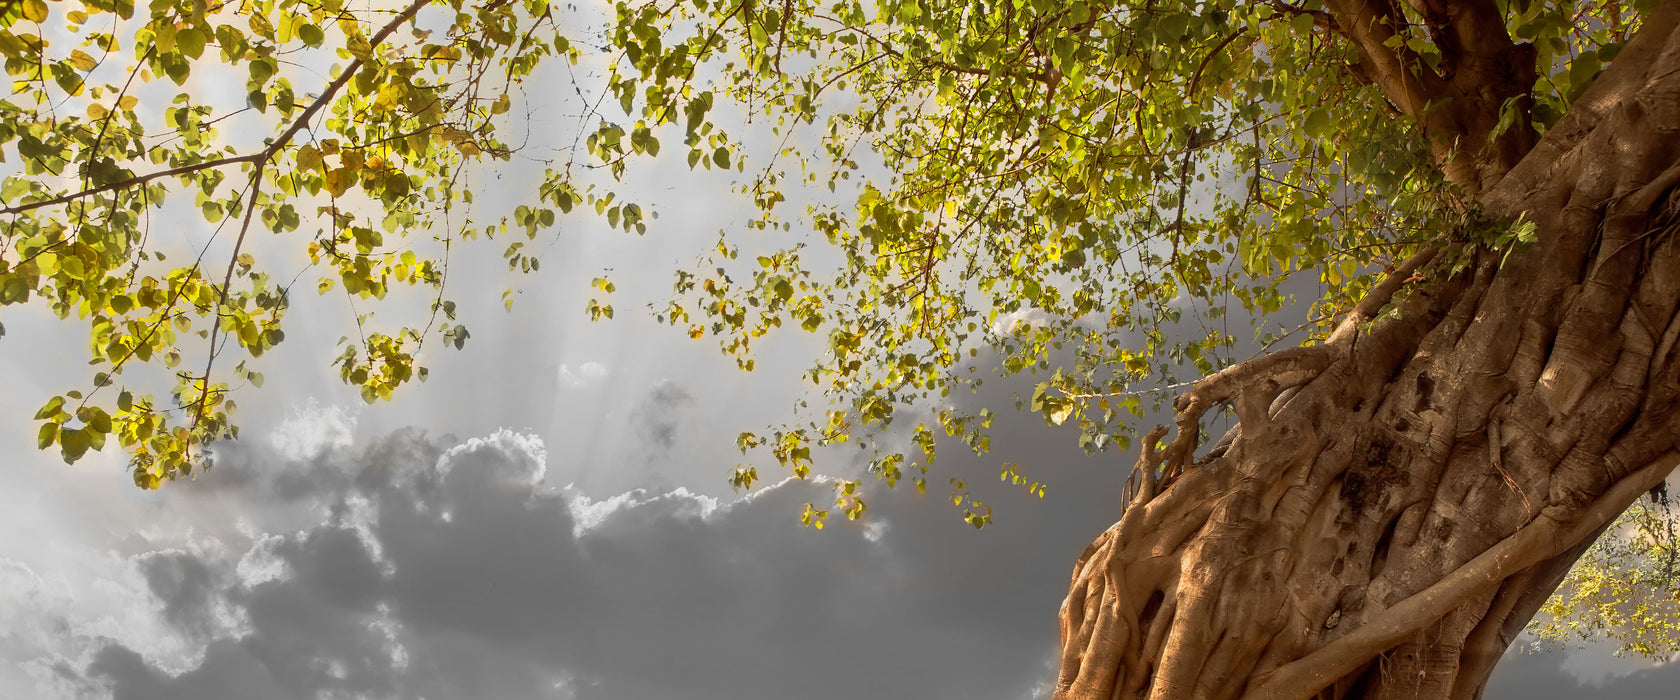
[[1007, 323], [874, 529], [54, 622], [526, 458], [311, 430], [260, 565], [588, 513], [585, 374]]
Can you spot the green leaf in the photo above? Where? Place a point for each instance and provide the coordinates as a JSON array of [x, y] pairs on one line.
[[96, 419], [73, 444], [261, 70], [54, 406], [311, 35], [1317, 123], [1582, 73], [190, 41]]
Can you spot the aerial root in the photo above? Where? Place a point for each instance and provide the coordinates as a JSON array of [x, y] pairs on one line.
[[1250, 386], [1141, 487]]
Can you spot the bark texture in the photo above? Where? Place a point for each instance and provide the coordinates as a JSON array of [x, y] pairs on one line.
[[1396, 503]]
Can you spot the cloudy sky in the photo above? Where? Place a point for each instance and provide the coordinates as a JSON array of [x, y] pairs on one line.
[[326, 558], [547, 517]]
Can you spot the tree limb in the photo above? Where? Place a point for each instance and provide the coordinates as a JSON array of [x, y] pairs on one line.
[[1380, 295], [1375, 28]]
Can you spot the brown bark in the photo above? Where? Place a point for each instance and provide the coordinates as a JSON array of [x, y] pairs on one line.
[[1398, 501]]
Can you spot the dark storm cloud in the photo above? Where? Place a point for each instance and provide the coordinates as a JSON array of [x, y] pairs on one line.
[[453, 572], [187, 587], [228, 671]]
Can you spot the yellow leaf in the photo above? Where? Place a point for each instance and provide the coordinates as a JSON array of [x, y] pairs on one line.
[[35, 11], [82, 61]]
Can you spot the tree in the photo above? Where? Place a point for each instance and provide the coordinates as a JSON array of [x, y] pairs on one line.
[[1488, 209]]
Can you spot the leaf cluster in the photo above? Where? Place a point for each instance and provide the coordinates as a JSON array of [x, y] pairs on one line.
[[363, 121], [1077, 191]]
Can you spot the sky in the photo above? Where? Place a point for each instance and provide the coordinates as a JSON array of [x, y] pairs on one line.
[[548, 517]]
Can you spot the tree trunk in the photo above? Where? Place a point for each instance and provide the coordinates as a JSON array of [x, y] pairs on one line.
[[1398, 501]]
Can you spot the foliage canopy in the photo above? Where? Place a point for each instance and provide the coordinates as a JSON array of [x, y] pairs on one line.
[[1079, 189]]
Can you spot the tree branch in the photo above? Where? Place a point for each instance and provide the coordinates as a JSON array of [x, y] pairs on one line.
[[1459, 107], [1375, 28], [1190, 92], [1469, 33], [1634, 69], [259, 158], [1379, 296], [227, 284], [1143, 482], [130, 182]]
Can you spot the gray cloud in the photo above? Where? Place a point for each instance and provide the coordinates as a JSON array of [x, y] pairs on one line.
[[228, 671], [658, 415], [186, 586], [453, 571], [1524, 675]]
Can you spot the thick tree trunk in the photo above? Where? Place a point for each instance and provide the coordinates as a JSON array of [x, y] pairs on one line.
[[1397, 502]]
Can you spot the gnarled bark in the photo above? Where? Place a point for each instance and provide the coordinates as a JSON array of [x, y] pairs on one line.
[[1397, 502]]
